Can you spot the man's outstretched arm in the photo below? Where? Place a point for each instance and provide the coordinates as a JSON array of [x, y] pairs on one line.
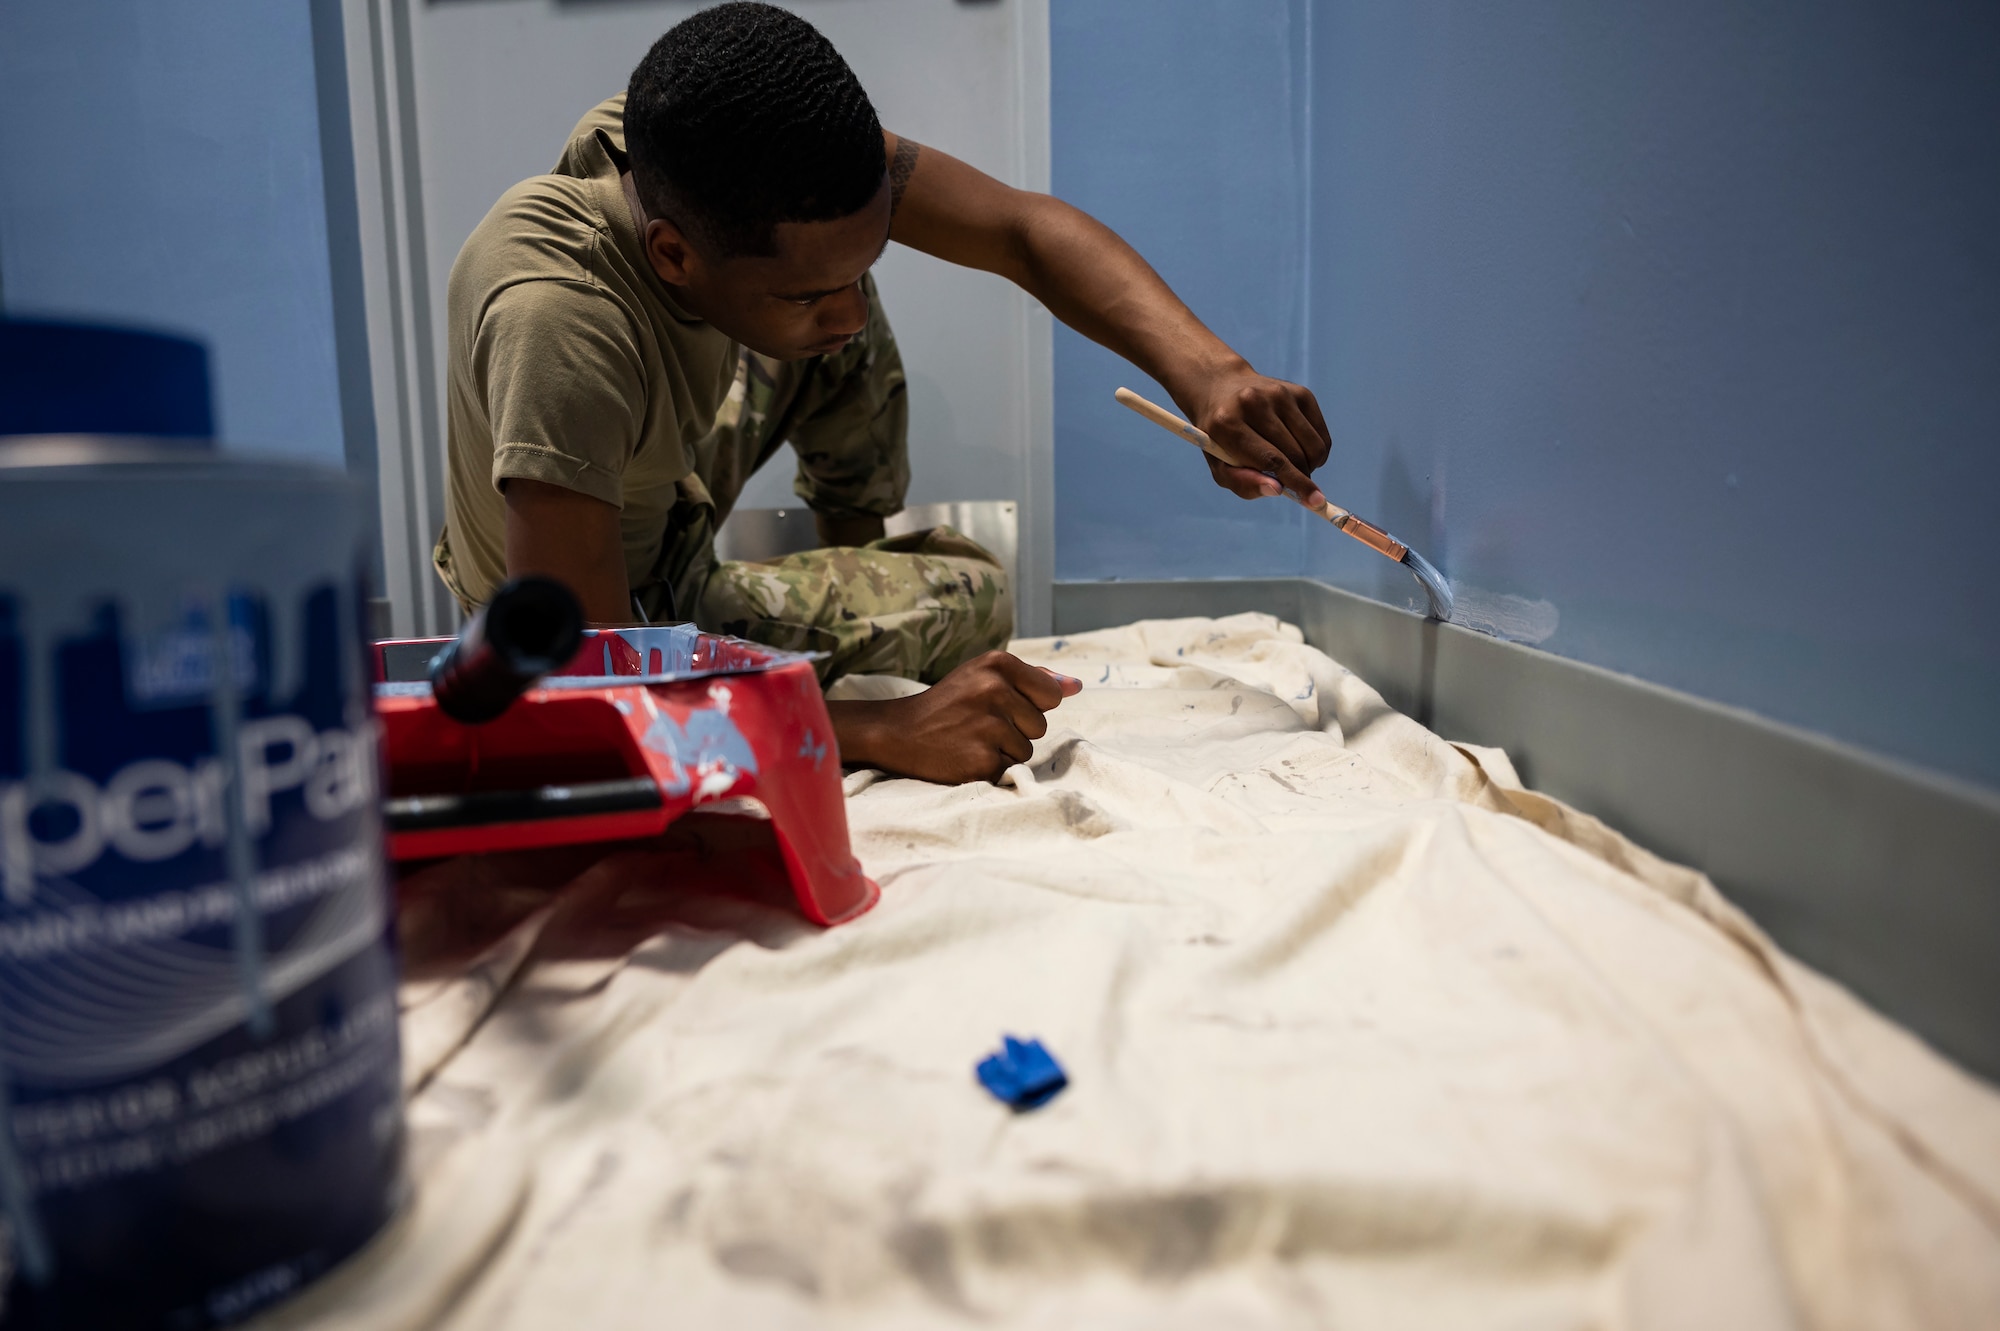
[[1097, 284], [975, 723]]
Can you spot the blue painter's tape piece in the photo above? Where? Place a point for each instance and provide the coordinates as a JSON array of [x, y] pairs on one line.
[[1023, 1074]]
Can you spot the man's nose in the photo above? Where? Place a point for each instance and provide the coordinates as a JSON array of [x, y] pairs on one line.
[[846, 314]]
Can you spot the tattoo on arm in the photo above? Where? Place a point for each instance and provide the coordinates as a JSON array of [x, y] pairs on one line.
[[901, 167]]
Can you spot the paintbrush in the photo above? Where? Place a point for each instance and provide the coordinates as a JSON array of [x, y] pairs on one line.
[[1370, 535]]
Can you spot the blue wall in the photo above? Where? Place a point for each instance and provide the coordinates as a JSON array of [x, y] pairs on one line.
[[1680, 320], [160, 166], [1182, 125], [1684, 319]]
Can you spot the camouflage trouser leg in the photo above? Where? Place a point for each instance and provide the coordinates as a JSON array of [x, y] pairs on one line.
[[915, 605]]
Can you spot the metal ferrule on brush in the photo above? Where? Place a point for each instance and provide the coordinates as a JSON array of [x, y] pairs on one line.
[[1372, 536]]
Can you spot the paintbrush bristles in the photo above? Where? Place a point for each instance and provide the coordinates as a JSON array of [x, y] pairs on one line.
[[1433, 582]]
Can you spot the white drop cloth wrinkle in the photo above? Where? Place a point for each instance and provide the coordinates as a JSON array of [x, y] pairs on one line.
[[1360, 1033]]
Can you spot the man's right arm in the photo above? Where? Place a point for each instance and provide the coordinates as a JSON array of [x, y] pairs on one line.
[[572, 538]]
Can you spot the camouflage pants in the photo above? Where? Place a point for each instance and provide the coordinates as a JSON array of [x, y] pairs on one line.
[[915, 605]]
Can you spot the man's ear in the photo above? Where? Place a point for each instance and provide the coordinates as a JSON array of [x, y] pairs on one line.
[[669, 252]]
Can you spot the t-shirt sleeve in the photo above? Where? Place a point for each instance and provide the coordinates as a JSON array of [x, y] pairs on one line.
[[558, 364]]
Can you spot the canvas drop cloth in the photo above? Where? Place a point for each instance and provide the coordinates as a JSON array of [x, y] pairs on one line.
[[1361, 1034]]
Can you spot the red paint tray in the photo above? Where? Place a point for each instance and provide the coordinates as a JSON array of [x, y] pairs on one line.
[[641, 727]]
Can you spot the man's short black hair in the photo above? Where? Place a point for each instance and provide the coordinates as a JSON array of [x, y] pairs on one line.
[[744, 116]]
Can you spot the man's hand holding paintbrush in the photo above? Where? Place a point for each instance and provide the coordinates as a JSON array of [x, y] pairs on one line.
[[1268, 435], [1226, 467]]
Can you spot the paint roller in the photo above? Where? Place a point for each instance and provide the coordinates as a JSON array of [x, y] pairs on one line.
[[1370, 535], [531, 626]]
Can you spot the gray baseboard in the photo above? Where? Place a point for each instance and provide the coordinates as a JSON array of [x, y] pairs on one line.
[[1880, 874]]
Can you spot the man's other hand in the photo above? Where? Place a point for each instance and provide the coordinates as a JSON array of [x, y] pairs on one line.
[[972, 725], [1272, 429]]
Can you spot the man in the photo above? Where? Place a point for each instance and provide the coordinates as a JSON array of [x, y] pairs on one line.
[[634, 334]]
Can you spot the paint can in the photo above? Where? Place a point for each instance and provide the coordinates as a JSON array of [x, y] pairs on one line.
[[199, 1068]]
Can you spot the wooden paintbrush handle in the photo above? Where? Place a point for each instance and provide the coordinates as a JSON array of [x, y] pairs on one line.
[[1166, 420], [1361, 530]]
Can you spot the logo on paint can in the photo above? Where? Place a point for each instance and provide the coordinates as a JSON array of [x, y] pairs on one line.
[[156, 809]]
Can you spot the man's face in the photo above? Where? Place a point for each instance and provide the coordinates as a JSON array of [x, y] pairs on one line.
[[805, 300]]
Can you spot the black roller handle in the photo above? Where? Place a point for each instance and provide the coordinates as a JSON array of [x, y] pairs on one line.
[[530, 627], [432, 813]]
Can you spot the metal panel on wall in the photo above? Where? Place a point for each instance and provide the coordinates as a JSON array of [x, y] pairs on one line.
[[456, 100]]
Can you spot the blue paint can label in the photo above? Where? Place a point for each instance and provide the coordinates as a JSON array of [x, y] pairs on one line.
[[199, 1068]]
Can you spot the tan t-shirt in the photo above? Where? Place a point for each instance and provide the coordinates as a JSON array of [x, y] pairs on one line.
[[570, 363]]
